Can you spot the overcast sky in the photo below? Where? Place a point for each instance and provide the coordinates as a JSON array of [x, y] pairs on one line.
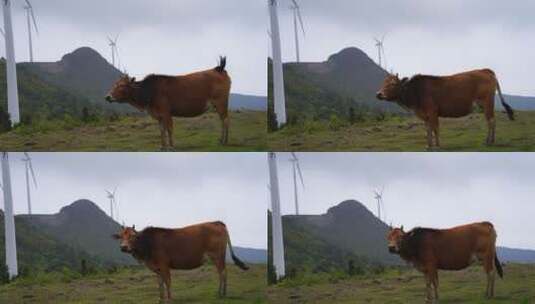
[[431, 190], [160, 189], [157, 36], [428, 37]]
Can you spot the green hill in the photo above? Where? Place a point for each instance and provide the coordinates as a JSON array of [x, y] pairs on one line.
[[39, 250], [83, 225]]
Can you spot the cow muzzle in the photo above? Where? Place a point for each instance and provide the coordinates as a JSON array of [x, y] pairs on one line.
[[380, 96], [109, 98], [393, 249], [125, 249]]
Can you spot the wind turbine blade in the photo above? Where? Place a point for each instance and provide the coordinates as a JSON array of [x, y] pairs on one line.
[[116, 37], [301, 20], [33, 173], [300, 174], [109, 193], [2, 32], [34, 22], [114, 190]]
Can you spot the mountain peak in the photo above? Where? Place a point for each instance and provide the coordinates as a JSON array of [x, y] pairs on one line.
[[84, 53], [82, 207], [349, 208], [351, 56]]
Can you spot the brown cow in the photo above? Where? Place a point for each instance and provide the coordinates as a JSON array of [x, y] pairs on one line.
[[429, 250], [165, 97], [185, 248], [431, 97]]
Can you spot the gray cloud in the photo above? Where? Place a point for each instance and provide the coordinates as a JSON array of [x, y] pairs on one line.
[[161, 189], [421, 189]]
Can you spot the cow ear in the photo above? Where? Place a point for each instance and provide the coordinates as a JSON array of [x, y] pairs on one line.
[[115, 236], [401, 228], [134, 227], [133, 79]]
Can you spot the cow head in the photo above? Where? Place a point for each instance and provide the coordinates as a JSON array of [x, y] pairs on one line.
[[391, 88], [122, 90], [127, 236], [394, 237]]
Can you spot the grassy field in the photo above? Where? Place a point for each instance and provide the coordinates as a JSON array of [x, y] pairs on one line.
[[395, 287], [140, 286], [247, 133], [408, 134]]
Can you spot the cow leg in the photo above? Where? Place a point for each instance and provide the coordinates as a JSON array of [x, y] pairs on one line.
[[488, 107], [162, 133], [221, 106], [435, 284], [169, 128], [166, 275], [161, 286], [219, 261], [428, 287], [429, 135], [434, 128], [491, 275]]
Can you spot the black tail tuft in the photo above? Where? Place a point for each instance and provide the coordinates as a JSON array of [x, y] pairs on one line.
[[498, 265], [238, 262], [222, 64], [507, 107], [509, 111]]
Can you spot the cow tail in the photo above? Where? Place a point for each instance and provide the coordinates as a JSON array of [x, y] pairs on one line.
[[507, 107], [236, 260], [222, 64], [498, 265]]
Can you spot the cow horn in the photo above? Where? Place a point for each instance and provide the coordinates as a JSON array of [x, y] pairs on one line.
[[401, 228]]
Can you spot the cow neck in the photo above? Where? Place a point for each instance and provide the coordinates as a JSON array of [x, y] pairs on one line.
[[138, 97], [408, 249], [403, 98]]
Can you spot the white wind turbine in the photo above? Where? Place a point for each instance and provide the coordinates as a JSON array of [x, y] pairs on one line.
[[296, 170], [276, 218], [297, 18], [11, 68], [380, 205], [379, 43], [279, 99], [113, 45], [29, 169], [9, 219], [111, 197], [30, 15]]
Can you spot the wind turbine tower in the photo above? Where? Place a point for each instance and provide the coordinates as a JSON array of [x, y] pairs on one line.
[[9, 219], [296, 171], [278, 244], [11, 69], [29, 169], [30, 16], [297, 18], [279, 99]]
